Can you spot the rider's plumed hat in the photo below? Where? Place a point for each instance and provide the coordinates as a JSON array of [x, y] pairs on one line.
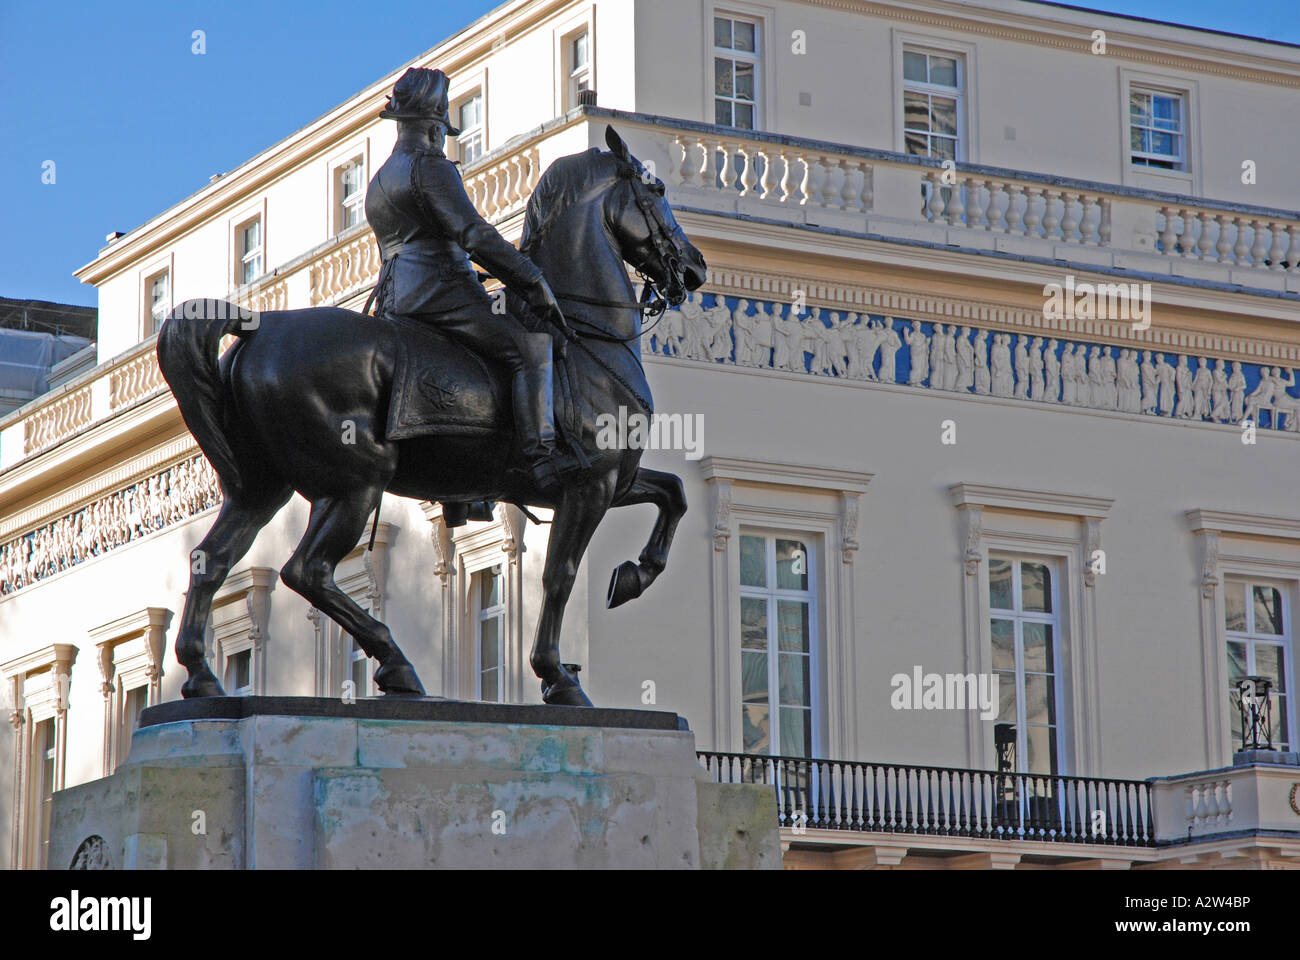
[[420, 94]]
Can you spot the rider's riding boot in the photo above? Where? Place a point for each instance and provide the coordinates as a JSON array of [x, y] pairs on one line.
[[535, 417]]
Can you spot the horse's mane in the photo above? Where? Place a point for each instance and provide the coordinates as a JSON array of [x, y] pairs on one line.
[[563, 184]]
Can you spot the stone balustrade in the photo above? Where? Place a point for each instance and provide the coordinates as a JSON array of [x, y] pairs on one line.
[[501, 187], [1017, 207], [54, 421], [1239, 240], [1242, 798]]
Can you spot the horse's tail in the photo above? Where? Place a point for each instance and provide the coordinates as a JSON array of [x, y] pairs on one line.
[[188, 354]]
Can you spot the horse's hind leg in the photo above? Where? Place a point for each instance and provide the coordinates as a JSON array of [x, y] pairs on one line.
[[335, 526], [236, 527], [665, 491]]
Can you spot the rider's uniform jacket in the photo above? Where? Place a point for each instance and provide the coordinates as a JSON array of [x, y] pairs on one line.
[[427, 229]]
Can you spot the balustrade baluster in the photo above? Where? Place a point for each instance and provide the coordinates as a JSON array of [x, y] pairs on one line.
[[1222, 247], [1068, 220], [1031, 218], [932, 206], [1187, 240], [767, 183], [1240, 248], [849, 190], [831, 184], [1012, 216], [1293, 248], [1050, 219], [974, 204], [1260, 245], [995, 211], [1103, 223], [1087, 228], [952, 204], [805, 181], [1275, 249], [1167, 235], [748, 175], [1203, 243], [788, 185]]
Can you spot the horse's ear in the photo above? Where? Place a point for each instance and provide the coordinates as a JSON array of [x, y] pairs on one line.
[[616, 143]]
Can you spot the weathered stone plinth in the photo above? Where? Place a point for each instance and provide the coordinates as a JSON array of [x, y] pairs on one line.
[[412, 784]]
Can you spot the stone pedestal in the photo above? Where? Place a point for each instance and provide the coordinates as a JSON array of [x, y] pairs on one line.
[[303, 783]]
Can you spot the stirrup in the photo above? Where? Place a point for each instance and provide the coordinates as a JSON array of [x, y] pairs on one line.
[[554, 470]]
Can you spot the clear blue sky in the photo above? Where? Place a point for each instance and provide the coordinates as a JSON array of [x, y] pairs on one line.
[[110, 91]]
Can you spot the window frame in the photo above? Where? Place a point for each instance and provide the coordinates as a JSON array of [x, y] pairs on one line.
[[1181, 133], [1019, 617], [355, 151], [478, 130], [239, 623], [757, 57], [1251, 637], [478, 615], [927, 89], [129, 653], [255, 255], [966, 54], [240, 218], [772, 594], [1187, 179], [165, 264]]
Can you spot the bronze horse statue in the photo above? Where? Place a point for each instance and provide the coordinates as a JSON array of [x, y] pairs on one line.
[[269, 414]]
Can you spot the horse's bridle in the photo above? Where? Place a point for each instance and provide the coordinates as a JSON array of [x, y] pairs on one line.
[[653, 302]]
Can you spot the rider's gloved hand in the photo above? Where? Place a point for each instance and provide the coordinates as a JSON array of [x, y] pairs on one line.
[[542, 300]]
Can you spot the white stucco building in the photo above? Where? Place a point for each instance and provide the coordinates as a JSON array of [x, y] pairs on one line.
[[911, 463]]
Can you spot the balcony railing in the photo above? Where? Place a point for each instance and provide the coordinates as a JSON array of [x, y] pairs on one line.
[[944, 801]]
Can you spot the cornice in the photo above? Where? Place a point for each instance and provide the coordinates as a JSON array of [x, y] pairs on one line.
[[747, 470], [997, 497], [1247, 524], [48, 656], [131, 625]]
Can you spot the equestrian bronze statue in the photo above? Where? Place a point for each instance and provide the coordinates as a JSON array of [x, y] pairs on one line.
[[443, 394]]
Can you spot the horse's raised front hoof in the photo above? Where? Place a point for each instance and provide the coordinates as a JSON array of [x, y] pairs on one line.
[[624, 585], [202, 683], [399, 679], [565, 692]]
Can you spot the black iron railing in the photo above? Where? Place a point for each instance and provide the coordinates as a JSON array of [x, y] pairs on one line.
[[945, 801]]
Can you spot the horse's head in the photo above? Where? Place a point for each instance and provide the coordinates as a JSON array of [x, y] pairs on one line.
[[647, 233]]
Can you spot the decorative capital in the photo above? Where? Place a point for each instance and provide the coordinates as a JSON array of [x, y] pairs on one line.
[[17, 718], [721, 515], [1092, 543], [849, 544], [1209, 563]]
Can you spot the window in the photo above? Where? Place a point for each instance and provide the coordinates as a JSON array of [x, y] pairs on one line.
[[239, 674], [579, 62], [136, 700], [250, 251], [777, 616], [160, 298], [489, 616], [351, 191], [358, 666], [1025, 629], [736, 53], [44, 749], [932, 103], [470, 121], [1258, 622], [1157, 129]]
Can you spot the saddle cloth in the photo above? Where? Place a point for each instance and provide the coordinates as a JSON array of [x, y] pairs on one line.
[[441, 388]]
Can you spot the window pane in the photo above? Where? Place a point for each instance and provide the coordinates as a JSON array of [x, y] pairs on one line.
[[1038, 647], [744, 34], [1006, 696], [722, 85], [943, 147], [792, 617], [943, 71], [252, 236], [1000, 584], [943, 115], [753, 623], [916, 111], [1135, 139], [917, 145], [1164, 109], [1268, 609], [1269, 663], [241, 668], [793, 679], [721, 32], [744, 116], [1036, 587], [753, 677], [1162, 143], [1236, 663], [488, 686], [489, 590], [914, 66], [1004, 644], [1041, 742], [722, 113], [1278, 727], [791, 565], [753, 561], [796, 731], [754, 719], [580, 51], [360, 676], [1040, 706], [1234, 604], [487, 645], [744, 80], [1139, 109]]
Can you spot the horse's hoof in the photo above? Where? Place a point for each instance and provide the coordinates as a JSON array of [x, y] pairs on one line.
[[202, 683], [399, 678], [565, 692], [624, 585]]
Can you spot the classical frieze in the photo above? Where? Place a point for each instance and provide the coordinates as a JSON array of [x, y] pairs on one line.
[[963, 358], [114, 519]]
